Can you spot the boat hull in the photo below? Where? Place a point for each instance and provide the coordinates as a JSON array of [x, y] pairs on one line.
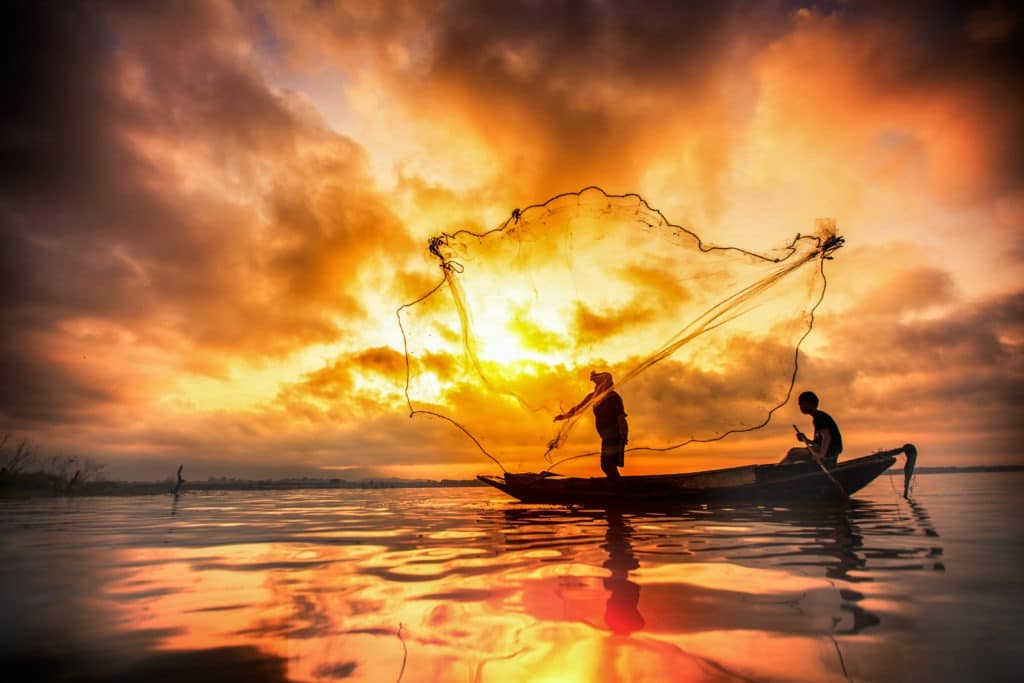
[[762, 484]]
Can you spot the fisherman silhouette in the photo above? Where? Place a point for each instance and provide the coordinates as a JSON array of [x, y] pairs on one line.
[[827, 443], [610, 420]]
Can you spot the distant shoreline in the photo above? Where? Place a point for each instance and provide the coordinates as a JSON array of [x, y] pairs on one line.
[[36, 486], [962, 470], [30, 486]]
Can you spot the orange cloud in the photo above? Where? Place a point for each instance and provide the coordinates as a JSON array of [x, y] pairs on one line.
[[203, 220], [211, 211], [590, 326]]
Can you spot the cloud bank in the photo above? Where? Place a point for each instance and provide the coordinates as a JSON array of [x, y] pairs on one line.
[[210, 211]]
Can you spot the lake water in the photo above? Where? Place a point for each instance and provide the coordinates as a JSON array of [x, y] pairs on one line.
[[467, 585]]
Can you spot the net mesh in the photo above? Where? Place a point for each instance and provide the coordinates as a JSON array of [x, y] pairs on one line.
[[702, 340]]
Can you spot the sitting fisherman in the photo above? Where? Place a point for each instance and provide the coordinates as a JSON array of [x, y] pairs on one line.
[[827, 443], [610, 418]]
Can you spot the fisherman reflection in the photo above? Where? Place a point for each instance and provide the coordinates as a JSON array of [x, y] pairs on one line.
[[843, 541], [847, 548], [854, 563], [621, 613]]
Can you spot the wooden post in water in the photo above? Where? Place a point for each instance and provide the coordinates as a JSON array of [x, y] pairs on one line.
[[71, 484], [177, 487]]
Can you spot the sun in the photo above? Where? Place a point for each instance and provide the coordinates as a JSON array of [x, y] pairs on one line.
[[516, 330]]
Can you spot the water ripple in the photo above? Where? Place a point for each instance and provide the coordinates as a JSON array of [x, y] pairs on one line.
[[467, 586]]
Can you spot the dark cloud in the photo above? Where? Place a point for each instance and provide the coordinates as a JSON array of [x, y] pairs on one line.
[[153, 180], [912, 289], [578, 87], [954, 380], [564, 94], [919, 45], [964, 339], [40, 390], [676, 400], [383, 360], [570, 93], [942, 82]]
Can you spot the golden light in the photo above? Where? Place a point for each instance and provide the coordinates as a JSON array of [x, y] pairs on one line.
[[512, 327]]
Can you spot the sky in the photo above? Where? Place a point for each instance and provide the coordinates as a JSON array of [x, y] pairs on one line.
[[211, 211]]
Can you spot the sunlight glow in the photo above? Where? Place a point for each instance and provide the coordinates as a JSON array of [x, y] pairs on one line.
[[514, 326]]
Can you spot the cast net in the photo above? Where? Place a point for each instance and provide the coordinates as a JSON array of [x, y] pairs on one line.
[[702, 341]]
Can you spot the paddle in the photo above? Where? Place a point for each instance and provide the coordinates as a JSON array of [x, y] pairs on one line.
[[839, 487]]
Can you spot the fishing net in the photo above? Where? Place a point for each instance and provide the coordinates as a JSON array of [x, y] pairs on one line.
[[702, 340]]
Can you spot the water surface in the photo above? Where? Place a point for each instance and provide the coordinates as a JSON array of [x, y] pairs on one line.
[[467, 585]]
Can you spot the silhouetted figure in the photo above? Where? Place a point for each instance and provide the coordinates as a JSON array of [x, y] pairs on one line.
[[177, 487], [610, 419], [71, 484], [621, 613], [827, 443]]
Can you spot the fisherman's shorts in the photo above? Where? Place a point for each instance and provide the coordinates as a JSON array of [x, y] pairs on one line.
[[613, 451]]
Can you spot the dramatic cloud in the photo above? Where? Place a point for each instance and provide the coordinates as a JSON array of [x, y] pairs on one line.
[[157, 186], [950, 382], [912, 289], [543, 94], [211, 210]]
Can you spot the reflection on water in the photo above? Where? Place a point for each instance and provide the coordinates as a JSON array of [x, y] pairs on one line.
[[427, 585], [621, 613], [760, 573]]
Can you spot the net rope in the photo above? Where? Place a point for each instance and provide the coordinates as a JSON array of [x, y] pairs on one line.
[[524, 225]]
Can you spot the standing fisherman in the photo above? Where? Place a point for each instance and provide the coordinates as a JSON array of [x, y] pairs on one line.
[[610, 419]]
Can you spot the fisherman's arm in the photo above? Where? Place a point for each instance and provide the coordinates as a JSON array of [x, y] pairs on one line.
[[820, 448], [623, 429], [800, 436], [575, 409]]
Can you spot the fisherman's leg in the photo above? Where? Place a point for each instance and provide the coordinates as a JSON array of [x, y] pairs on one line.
[[611, 454], [798, 454], [610, 467]]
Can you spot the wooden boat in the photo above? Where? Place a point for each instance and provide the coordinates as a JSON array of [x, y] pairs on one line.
[[750, 483]]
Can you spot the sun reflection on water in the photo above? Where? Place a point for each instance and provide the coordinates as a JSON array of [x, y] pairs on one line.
[[477, 590]]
